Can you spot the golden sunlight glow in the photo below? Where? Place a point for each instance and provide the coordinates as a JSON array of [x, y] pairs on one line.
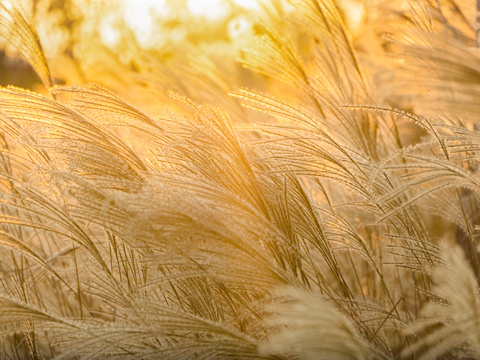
[[248, 4], [138, 14], [140, 17], [212, 9], [108, 33], [5, 8]]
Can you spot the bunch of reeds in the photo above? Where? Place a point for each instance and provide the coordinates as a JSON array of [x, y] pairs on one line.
[[345, 229]]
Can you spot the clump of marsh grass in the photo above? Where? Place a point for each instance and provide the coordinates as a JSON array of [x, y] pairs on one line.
[[319, 232]]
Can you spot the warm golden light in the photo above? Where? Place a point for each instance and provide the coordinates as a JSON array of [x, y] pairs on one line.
[[248, 4], [233, 179], [211, 9], [142, 16], [138, 14]]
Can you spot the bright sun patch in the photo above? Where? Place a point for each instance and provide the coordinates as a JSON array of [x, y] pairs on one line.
[[248, 4], [140, 16], [211, 9]]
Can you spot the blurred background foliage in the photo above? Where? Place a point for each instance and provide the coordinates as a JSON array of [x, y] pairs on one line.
[[96, 40], [188, 46]]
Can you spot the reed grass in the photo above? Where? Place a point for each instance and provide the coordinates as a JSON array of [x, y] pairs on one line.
[[342, 224]]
